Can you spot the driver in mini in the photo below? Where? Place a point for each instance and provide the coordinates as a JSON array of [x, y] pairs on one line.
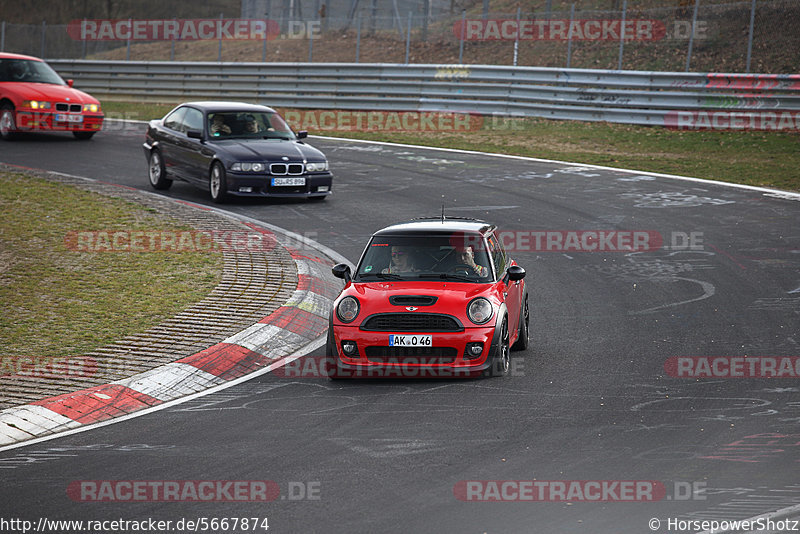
[[467, 257]]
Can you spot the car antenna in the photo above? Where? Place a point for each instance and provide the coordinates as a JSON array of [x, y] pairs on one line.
[[442, 213]]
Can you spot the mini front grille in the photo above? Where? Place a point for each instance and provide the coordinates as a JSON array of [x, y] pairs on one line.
[[412, 322], [286, 168]]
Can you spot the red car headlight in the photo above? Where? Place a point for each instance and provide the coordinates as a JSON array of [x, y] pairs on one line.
[[480, 310], [35, 104], [348, 309]]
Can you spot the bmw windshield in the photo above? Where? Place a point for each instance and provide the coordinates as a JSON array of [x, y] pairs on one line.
[[28, 70], [248, 125]]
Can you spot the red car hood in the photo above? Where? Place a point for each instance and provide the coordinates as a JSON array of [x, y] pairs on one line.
[[452, 297], [47, 92]]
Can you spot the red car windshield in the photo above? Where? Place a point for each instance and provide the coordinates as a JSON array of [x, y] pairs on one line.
[[29, 71], [425, 257]]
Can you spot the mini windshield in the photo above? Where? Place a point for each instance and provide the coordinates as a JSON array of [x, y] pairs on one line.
[[28, 70], [248, 125], [425, 257]]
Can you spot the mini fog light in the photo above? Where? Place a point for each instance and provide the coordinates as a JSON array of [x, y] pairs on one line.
[[349, 347]]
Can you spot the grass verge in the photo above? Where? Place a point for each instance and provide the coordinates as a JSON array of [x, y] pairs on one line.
[[769, 159], [55, 302]]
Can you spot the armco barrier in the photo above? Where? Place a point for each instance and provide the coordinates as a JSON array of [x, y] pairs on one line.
[[711, 100]]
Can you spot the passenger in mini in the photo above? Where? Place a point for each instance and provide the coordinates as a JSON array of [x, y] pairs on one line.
[[402, 261]]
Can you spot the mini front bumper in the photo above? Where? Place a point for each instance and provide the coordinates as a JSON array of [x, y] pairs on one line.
[[376, 359]]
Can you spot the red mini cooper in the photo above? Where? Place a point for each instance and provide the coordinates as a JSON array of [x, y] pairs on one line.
[[33, 97], [429, 298]]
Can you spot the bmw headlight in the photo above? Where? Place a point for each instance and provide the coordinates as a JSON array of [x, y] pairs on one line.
[[248, 167], [91, 108], [35, 104], [348, 309], [480, 310], [316, 166]]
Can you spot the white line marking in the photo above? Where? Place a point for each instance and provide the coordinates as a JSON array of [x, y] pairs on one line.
[[783, 194]]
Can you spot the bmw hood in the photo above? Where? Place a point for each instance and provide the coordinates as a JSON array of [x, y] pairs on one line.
[[50, 92], [270, 150]]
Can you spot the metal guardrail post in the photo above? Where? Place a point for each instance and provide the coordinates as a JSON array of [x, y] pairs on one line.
[[461, 40], [408, 37], [750, 36], [622, 33], [358, 37], [516, 37], [569, 41], [691, 36], [44, 30], [219, 51], [3, 37], [128, 46]]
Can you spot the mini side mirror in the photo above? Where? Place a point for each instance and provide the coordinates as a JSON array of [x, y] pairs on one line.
[[342, 270], [515, 272]]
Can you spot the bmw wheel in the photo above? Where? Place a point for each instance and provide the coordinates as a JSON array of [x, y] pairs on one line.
[[8, 125], [157, 172], [217, 183]]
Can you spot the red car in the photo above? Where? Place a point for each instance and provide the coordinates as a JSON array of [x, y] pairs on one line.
[[33, 97], [430, 298]]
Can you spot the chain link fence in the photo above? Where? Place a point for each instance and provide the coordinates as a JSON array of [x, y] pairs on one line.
[[689, 35]]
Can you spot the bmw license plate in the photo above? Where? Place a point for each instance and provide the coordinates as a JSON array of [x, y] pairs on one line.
[[301, 180], [60, 117], [406, 340]]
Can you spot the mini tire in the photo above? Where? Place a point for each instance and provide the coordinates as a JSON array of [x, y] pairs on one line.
[[524, 327], [501, 359], [331, 358], [156, 171], [217, 183]]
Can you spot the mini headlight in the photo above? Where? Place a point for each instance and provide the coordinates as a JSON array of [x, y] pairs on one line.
[[480, 310], [347, 310]]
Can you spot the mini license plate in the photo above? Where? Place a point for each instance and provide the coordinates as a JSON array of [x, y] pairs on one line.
[[60, 117], [301, 180], [406, 340]]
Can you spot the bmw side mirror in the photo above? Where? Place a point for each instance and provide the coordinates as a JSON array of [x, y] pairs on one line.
[[515, 272], [70, 82], [342, 270], [302, 134], [194, 134]]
